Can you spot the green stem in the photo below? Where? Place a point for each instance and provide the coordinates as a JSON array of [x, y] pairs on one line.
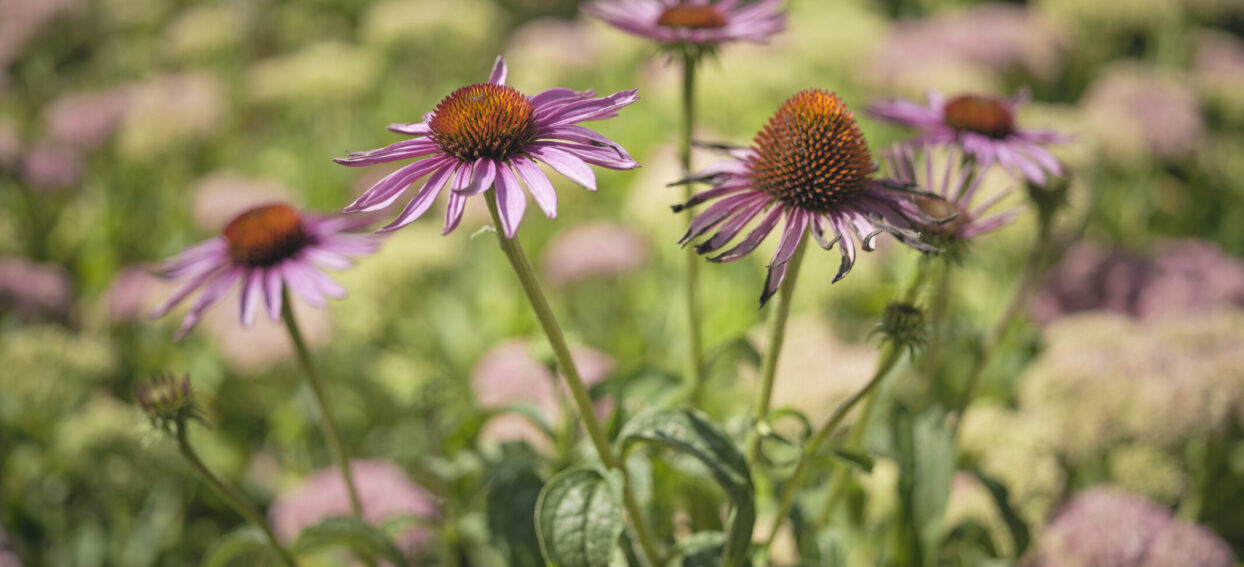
[[773, 348], [937, 319], [513, 250], [889, 357], [231, 496], [692, 260], [855, 440], [317, 389], [990, 345]]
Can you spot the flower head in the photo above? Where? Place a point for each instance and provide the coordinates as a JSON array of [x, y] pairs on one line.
[[266, 249], [953, 184], [690, 24], [984, 127], [490, 135], [168, 400], [810, 165]]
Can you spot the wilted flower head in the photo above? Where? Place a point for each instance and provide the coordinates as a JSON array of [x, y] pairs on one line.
[[600, 249], [267, 249], [809, 165], [384, 492], [32, 289], [1105, 525], [695, 25], [955, 181], [983, 126], [489, 136], [168, 400]]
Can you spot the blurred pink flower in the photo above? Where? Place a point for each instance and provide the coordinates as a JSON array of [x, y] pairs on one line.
[[594, 249], [508, 374], [1219, 54], [133, 294], [33, 289], [221, 196], [52, 166], [1107, 526], [87, 120], [1138, 112], [22, 20], [1180, 276], [384, 492], [995, 37]]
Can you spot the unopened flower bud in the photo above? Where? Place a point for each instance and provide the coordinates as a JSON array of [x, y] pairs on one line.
[[904, 324], [167, 400]]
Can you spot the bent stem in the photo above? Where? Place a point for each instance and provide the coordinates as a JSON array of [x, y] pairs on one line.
[[235, 499], [777, 334], [1029, 279], [694, 338], [583, 402], [317, 389], [889, 358], [838, 484]]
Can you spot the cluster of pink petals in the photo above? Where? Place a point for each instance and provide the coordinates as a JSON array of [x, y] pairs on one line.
[[559, 143], [34, 289], [951, 180], [1022, 150], [209, 267], [754, 21]]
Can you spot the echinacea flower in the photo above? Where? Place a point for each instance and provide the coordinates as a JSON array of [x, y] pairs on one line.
[[956, 182], [266, 249], [984, 127], [811, 166], [490, 135], [693, 22]]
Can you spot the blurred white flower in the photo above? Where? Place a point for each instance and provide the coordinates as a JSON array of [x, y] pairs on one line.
[[170, 110], [1136, 113], [203, 30], [330, 71]]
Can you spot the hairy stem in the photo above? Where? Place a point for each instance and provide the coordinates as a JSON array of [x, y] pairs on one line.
[[317, 390], [695, 339], [235, 499], [513, 250]]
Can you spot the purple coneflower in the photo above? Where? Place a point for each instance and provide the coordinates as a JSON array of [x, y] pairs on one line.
[[956, 181], [702, 22], [487, 135], [983, 126], [266, 248], [809, 164]]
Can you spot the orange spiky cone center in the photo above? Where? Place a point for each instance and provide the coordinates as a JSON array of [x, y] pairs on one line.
[[812, 153], [483, 121], [265, 235]]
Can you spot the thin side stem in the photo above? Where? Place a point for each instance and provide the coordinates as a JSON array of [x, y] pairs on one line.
[[889, 357], [1027, 281], [692, 260], [513, 250], [235, 499], [773, 349], [327, 425]]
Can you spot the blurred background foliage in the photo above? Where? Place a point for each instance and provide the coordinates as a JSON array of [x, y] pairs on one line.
[[130, 129]]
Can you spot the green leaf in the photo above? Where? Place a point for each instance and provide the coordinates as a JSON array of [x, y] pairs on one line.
[[691, 433], [1019, 530], [350, 532], [579, 517], [926, 466], [243, 543], [860, 460], [703, 549], [512, 496]]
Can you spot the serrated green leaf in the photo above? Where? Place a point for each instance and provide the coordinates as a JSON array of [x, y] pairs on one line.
[[245, 542], [349, 532], [579, 518], [691, 433]]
